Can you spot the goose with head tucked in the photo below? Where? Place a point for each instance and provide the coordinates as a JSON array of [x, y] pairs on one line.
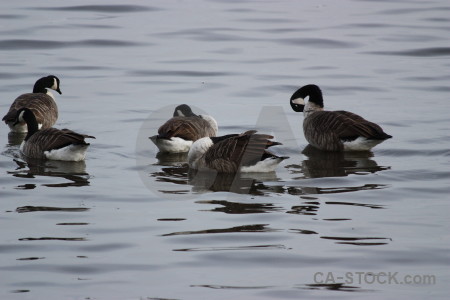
[[178, 133], [246, 152], [41, 102], [334, 130], [51, 143]]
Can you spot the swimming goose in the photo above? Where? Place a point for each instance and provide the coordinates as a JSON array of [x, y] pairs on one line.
[[51, 143], [246, 152], [41, 102], [334, 130], [179, 132]]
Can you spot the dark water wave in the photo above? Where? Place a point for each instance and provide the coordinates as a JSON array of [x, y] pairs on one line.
[[24, 209], [241, 208], [184, 73], [424, 52], [413, 10], [318, 42], [24, 44], [243, 228], [412, 152], [101, 8], [10, 17]]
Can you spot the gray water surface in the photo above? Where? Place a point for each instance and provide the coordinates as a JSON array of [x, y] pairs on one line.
[[129, 223]]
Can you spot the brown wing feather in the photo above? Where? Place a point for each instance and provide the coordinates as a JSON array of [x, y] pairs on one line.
[[188, 128], [242, 150], [52, 138], [326, 129], [357, 125], [343, 124], [42, 105]]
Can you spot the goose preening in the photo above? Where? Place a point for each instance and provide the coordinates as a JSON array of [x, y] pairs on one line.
[[41, 102], [334, 130], [184, 128], [51, 143], [246, 152]]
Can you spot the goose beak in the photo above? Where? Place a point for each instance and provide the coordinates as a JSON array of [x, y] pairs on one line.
[[59, 91]]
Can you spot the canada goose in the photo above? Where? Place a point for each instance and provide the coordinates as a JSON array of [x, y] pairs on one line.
[[184, 128], [246, 152], [334, 130], [51, 143], [41, 102]]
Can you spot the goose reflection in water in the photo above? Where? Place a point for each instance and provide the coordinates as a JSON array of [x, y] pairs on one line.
[[16, 138], [74, 172], [171, 159], [176, 171], [333, 164], [239, 183]]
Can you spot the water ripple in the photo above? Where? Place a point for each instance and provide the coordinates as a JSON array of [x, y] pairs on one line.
[[101, 8], [25, 44], [243, 228], [25, 209], [11, 17], [424, 52], [183, 73], [321, 43]]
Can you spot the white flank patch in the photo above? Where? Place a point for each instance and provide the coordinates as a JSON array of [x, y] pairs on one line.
[[299, 101], [361, 144], [267, 165], [174, 145], [198, 148], [68, 153]]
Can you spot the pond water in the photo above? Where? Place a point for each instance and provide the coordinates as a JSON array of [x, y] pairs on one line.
[[129, 223]]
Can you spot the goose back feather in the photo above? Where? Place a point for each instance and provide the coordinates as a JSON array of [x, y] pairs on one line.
[[187, 128], [178, 133], [334, 130], [41, 102], [51, 143], [57, 144], [245, 152]]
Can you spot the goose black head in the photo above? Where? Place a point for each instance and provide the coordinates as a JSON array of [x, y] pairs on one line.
[[183, 110], [49, 82], [297, 100]]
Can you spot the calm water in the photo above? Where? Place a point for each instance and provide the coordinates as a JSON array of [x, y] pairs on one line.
[[129, 223]]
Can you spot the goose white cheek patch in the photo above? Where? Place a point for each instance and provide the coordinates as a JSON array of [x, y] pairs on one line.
[[299, 101], [55, 84]]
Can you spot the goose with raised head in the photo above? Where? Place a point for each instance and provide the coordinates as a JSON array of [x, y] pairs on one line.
[[178, 133], [246, 152], [51, 143], [334, 130], [41, 102]]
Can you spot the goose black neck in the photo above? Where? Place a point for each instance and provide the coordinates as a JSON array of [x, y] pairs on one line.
[[315, 95], [32, 124], [311, 90], [40, 86]]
